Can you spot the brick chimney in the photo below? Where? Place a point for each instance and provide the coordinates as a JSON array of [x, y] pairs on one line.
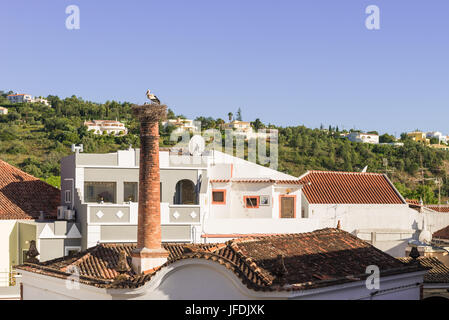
[[149, 252]]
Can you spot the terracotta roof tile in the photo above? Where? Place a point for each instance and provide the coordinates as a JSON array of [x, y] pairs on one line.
[[315, 259], [438, 208], [349, 187], [438, 273], [23, 196], [441, 234]]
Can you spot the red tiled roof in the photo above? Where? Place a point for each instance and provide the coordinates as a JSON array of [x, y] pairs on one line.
[[316, 259], [438, 273], [413, 202], [438, 208], [441, 234], [23, 196], [349, 187]]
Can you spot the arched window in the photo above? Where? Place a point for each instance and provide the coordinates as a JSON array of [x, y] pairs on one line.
[[185, 192]]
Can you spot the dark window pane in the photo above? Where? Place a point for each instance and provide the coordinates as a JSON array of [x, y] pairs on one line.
[[130, 191], [251, 202], [218, 196], [99, 191]]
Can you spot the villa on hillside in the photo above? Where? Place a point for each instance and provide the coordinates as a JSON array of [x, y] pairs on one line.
[[363, 137], [23, 97], [106, 126], [180, 124]]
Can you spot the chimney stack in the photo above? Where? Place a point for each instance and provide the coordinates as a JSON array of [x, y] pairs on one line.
[[149, 252]]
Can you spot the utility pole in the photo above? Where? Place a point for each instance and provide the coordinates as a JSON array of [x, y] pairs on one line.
[[386, 170]]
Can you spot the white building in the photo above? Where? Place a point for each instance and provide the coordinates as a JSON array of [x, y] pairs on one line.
[[26, 204], [438, 135], [366, 204], [208, 198], [181, 124], [3, 111], [108, 126], [41, 100], [23, 97], [20, 98], [363, 137], [326, 264]]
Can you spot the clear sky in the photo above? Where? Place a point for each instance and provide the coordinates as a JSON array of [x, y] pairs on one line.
[[286, 62]]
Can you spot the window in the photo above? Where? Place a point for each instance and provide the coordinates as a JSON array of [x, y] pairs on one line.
[[68, 196], [185, 193], [24, 255], [130, 192], [251, 201], [70, 251], [218, 196], [99, 191]]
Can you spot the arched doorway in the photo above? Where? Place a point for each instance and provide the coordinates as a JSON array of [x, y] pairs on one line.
[[185, 192]]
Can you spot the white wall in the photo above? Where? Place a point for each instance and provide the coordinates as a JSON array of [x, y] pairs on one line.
[[203, 279], [6, 227], [366, 216], [253, 226]]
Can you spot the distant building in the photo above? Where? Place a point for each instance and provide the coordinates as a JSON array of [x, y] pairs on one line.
[[438, 135], [394, 144], [20, 98], [244, 128], [41, 100], [238, 126], [23, 97], [440, 147], [363, 137], [180, 124], [108, 126], [3, 111], [418, 136]]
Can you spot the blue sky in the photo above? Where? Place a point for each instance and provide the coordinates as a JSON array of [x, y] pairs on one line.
[[285, 62]]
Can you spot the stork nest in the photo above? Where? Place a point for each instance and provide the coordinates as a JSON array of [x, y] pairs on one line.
[[150, 112]]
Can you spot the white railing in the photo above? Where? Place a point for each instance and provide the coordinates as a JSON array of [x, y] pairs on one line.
[[257, 226]]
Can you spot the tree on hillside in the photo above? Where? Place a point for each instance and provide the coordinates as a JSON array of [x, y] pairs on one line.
[[257, 124], [239, 115], [386, 138], [230, 116]]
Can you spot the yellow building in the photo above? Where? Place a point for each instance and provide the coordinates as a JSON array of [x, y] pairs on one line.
[[418, 136]]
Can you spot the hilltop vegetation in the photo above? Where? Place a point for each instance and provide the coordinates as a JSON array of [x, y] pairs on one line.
[[34, 137]]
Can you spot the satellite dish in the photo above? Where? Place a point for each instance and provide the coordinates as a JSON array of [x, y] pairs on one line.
[[197, 145]]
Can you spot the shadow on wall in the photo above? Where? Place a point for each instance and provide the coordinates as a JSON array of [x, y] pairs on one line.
[[31, 197]]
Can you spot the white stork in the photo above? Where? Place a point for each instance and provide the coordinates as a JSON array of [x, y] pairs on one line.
[[152, 97]]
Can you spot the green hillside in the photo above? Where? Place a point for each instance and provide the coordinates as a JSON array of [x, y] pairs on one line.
[[34, 137]]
